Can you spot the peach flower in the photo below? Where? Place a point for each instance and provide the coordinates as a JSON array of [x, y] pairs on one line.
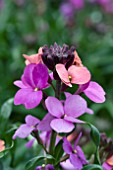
[[74, 74], [34, 58], [2, 147]]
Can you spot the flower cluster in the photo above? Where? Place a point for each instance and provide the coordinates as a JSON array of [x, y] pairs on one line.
[[58, 68]]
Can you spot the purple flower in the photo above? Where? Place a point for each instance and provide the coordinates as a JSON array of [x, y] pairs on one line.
[[77, 4], [106, 166], [67, 9], [34, 79], [45, 167], [67, 165], [61, 118], [76, 155], [25, 129], [93, 91]]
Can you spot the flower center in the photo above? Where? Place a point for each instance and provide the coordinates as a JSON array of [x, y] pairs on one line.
[[75, 151], [36, 89], [43, 165], [69, 78]]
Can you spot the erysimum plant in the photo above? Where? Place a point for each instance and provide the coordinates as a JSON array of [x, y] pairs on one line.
[[59, 68]]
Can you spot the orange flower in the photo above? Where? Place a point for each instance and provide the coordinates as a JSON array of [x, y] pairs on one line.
[[77, 61], [34, 58], [2, 147]]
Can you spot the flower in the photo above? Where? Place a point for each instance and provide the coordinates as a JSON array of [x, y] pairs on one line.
[[108, 165], [34, 58], [77, 4], [74, 74], [61, 118], [67, 165], [2, 145], [76, 155], [45, 167], [33, 81], [25, 129], [93, 91]]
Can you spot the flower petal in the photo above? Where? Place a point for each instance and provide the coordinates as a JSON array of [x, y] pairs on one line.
[[89, 111], [30, 143], [27, 77], [20, 84], [40, 75], [95, 92], [63, 74], [79, 75], [31, 120], [66, 165], [73, 120], [61, 126], [81, 155], [76, 162], [75, 106], [30, 99], [54, 107], [44, 125], [23, 131], [67, 146]]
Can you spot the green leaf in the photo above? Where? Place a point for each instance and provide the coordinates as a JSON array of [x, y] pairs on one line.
[[95, 135], [92, 167], [6, 109], [58, 150], [29, 165]]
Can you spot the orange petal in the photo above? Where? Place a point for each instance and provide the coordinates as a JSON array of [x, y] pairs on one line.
[[77, 60], [110, 161], [63, 74], [79, 75]]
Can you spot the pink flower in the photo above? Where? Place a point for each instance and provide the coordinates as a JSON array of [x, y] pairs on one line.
[[74, 74], [34, 58], [108, 165], [2, 147]]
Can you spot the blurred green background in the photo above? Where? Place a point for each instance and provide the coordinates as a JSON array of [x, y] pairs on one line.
[[25, 25]]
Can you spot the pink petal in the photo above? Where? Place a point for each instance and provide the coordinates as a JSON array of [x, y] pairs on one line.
[[75, 106], [54, 107], [67, 94], [23, 131], [89, 111], [73, 120], [63, 74], [61, 126], [79, 75], [66, 165], [27, 77], [67, 146], [95, 92], [30, 143], [29, 98], [76, 162], [31, 120], [44, 125], [20, 84]]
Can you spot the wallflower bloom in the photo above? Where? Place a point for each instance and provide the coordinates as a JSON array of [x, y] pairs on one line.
[[34, 58], [76, 155], [45, 167], [34, 79], [74, 74], [61, 118], [93, 91], [2, 145], [25, 129], [108, 165]]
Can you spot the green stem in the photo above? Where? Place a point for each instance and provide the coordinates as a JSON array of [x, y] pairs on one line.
[[52, 142], [36, 135]]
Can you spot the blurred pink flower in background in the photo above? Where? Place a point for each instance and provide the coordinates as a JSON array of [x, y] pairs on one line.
[[2, 145]]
